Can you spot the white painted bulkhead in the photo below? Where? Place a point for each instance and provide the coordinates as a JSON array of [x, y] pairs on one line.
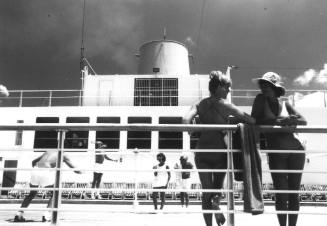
[[84, 159]]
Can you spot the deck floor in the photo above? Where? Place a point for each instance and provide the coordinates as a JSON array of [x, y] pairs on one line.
[[93, 216]]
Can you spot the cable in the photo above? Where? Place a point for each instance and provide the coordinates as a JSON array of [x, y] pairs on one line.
[[197, 41]]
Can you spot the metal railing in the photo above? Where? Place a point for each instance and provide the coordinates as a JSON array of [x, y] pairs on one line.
[[63, 128], [49, 98]]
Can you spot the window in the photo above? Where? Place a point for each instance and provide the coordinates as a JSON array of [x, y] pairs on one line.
[[46, 139], [77, 139], [139, 139], [19, 135], [110, 138], [170, 140], [156, 92]]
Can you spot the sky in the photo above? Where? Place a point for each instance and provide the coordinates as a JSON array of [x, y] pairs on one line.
[[40, 41]]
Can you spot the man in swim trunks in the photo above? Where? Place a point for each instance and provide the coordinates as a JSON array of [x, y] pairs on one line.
[[42, 179]]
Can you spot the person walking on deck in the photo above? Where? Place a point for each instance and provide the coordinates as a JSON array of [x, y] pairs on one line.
[[100, 156], [42, 179]]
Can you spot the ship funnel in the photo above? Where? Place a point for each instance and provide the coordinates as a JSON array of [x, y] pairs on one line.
[[164, 57]]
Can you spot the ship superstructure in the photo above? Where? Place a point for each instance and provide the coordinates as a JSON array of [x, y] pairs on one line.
[[160, 92]]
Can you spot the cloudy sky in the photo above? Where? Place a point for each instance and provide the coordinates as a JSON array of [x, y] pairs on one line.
[[40, 40]]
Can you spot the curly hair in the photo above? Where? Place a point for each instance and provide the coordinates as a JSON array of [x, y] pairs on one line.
[[162, 155], [217, 78]]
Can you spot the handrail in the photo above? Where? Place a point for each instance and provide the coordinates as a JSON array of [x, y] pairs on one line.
[[62, 128], [74, 97], [159, 127]]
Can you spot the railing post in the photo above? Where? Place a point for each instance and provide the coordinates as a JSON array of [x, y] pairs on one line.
[[21, 99], [57, 193], [135, 202], [50, 98], [80, 98], [230, 182]]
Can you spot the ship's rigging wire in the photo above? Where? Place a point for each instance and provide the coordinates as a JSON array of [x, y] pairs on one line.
[[197, 41], [83, 59]]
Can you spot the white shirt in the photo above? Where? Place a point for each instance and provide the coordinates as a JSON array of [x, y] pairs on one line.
[[162, 176]]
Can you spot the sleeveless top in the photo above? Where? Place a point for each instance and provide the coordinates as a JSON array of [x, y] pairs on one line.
[[281, 140], [211, 111], [99, 156], [162, 177]]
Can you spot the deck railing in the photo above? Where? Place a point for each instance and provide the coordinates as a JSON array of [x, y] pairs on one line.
[[63, 128], [50, 98]]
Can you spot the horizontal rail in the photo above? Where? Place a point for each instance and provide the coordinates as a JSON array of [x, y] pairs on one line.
[[153, 170], [167, 190], [138, 211], [132, 151], [160, 127]]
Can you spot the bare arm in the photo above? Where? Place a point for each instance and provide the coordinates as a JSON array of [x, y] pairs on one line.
[[168, 172], [238, 114], [35, 161], [155, 172], [109, 159], [294, 118], [187, 119], [70, 164]]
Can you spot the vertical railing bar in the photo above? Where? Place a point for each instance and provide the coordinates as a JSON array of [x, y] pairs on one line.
[[21, 99], [135, 202], [50, 98], [230, 193], [80, 98], [57, 192]]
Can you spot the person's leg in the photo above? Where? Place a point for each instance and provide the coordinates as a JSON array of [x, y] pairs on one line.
[[51, 196], [46, 214], [218, 179], [154, 198], [19, 217], [94, 179], [295, 162], [186, 185], [186, 199], [206, 183], [280, 181], [182, 198], [163, 198], [28, 199], [98, 182], [97, 185]]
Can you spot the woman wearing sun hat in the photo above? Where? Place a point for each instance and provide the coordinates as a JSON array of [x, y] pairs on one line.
[[269, 109]]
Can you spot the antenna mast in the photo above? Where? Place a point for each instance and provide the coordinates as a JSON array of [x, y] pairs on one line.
[[81, 63], [82, 43], [164, 34]]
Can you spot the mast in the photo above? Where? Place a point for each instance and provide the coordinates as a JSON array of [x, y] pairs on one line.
[[81, 64]]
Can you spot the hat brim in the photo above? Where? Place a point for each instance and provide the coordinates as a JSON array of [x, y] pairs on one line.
[[278, 87]]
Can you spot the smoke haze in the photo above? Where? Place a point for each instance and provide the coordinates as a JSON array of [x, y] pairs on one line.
[[40, 40]]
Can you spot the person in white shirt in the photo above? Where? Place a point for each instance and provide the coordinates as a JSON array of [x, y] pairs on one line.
[[183, 178], [161, 180]]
